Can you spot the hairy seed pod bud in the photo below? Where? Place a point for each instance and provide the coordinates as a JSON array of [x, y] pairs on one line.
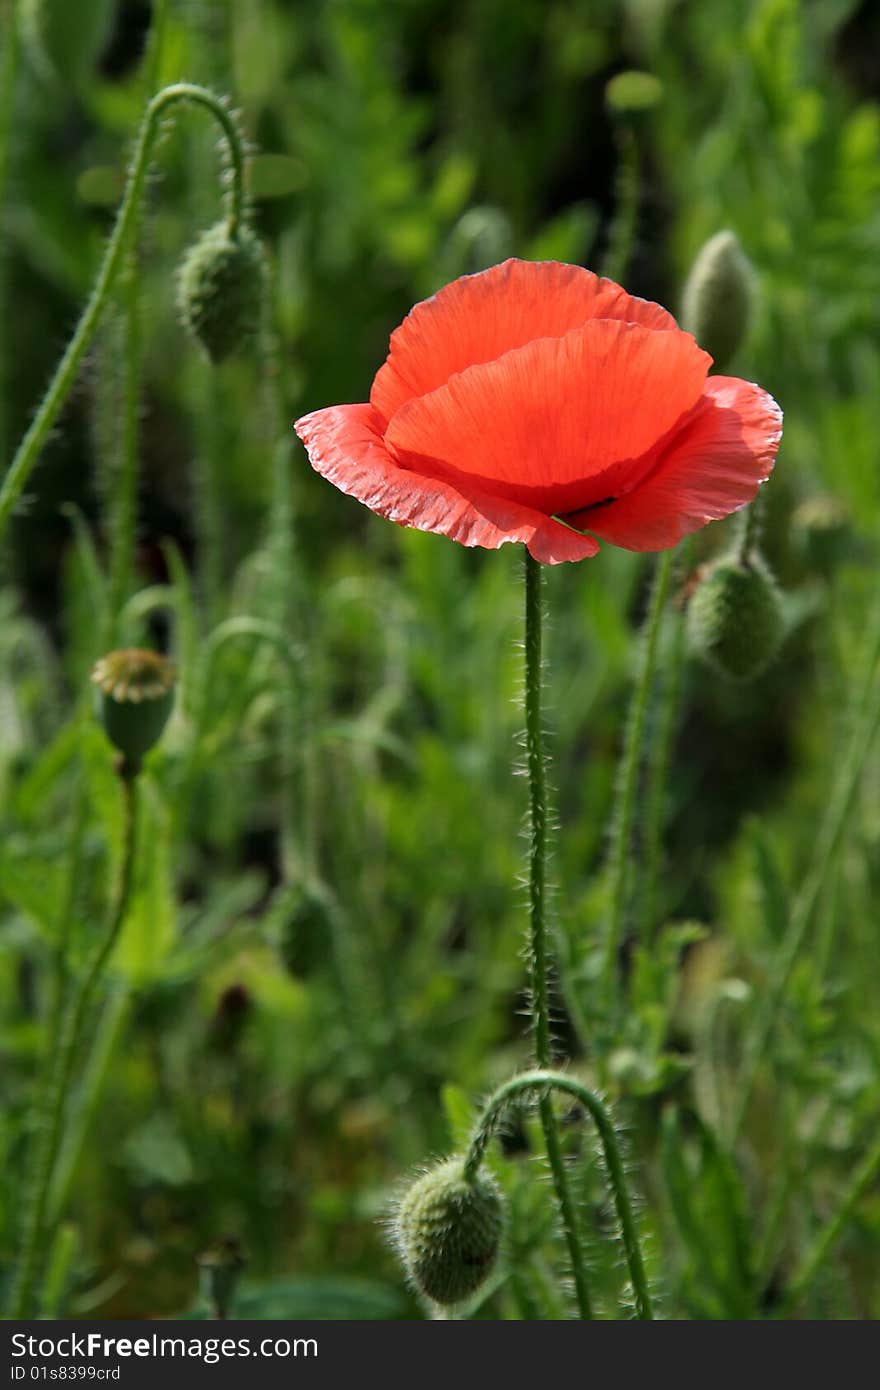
[[220, 289], [821, 531], [735, 620], [136, 691], [718, 297], [447, 1229]]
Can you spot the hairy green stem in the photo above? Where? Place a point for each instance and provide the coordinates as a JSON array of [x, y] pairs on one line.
[[52, 1110], [538, 943], [29, 449], [828, 840], [631, 761], [542, 1082]]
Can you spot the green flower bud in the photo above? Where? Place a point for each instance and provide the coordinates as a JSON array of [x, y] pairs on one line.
[[220, 290], [136, 689], [447, 1229], [735, 619], [718, 297], [821, 531]]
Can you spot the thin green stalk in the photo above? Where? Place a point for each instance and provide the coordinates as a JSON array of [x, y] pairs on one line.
[[543, 1081], [52, 1110], [831, 831], [819, 1251], [538, 944], [28, 452], [631, 761]]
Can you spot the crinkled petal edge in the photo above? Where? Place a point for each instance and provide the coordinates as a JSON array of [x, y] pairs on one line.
[[345, 445]]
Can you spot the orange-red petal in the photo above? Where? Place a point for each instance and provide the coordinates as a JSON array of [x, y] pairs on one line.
[[559, 423], [713, 466], [345, 445], [479, 317]]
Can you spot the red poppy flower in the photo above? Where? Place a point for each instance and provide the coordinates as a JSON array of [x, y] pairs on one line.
[[535, 402]]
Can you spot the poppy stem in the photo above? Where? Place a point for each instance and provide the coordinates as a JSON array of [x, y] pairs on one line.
[[19, 471], [538, 944]]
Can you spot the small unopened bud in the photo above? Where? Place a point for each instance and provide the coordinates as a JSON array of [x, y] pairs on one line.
[[821, 531], [220, 289], [136, 692], [447, 1229], [220, 1267], [718, 297], [735, 619]]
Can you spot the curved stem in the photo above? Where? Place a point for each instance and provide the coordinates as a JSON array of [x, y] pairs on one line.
[[542, 1082], [621, 834], [54, 1101], [538, 950], [29, 449]]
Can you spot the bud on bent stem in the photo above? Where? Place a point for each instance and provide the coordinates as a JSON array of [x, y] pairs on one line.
[[447, 1229]]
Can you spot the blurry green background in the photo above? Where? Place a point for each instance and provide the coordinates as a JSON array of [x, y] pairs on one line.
[[327, 925]]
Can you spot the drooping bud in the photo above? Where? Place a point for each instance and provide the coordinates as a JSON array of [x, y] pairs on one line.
[[447, 1229], [821, 531], [735, 618], [136, 690], [718, 298], [220, 289]]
